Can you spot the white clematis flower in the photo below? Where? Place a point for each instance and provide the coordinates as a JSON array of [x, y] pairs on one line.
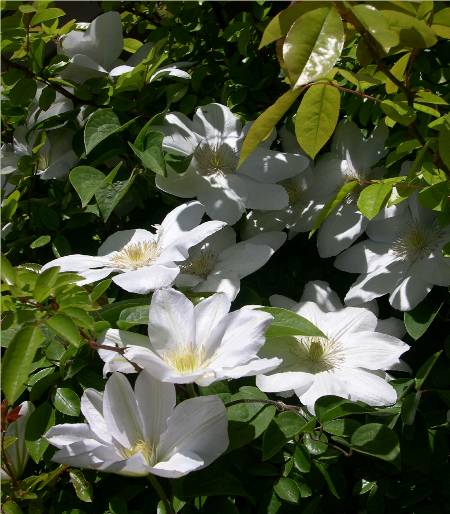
[[202, 343], [219, 263], [141, 432], [16, 450], [348, 360], [402, 257], [60, 105], [144, 260], [213, 139], [95, 52]]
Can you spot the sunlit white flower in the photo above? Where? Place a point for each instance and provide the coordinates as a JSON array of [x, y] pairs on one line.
[[219, 263], [402, 257], [348, 360], [144, 260], [14, 440], [213, 140], [186, 343], [95, 52], [142, 432]]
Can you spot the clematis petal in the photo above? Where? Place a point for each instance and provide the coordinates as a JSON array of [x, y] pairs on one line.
[[121, 412], [69, 433], [147, 279], [349, 320], [152, 363], [178, 465], [180, 220], [155, 401], [321, 293], [244, 258], [325, 383], [198, 425], [179, 136], [340, 230], [92, 410], [76, 262], [208, 313], [409, 293], [118, 240], [171, 321], [278, 300], [218, 282], [392, 326], [265, 197], [372, 350], [286, 381], [365, 257], [216, 120], [183, 185], [254, 367]]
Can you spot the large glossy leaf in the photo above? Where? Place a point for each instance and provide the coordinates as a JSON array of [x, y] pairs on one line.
[[377, 25], [316, 117], [313, 45], [413, 33], [18, 359], [373, 198], [263, 125]]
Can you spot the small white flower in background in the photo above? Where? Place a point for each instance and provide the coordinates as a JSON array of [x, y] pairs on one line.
[[95, 52], [56, 156], [14, 440], [141, 432], [348, 360], [352, 157], [300, 213], [219, 263], [144, 260], [186, 343], [402, 257], [214, 138]]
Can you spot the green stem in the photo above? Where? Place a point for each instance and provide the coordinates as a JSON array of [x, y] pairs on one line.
[[161, 493]]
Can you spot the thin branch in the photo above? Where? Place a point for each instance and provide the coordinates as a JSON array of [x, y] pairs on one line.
[[281, 406], [47, 82]]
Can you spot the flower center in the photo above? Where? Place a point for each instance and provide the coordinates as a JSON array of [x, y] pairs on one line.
[[186, 359], [213, 158], [136, 255], [202, 265], [145, 448], [417, 242], [317, 354]]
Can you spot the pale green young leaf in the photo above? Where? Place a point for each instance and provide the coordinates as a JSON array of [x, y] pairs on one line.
[[372, 198]]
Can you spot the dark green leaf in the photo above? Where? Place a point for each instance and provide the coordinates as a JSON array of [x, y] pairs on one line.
[[376, 440], [288, 490], [65, 328], [418, 320], [86, 181], [83, 488], [67, 401]]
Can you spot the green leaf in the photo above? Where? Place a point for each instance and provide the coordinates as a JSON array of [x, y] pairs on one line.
[[441, 23], [280, 24], [281, 429], [67, 401], [333, 204], [429, 98], [425, 369], [23, 91], [418, 320], [288, 490], [9, 506], [247, 421], [8, 272], [330, 407], [86, 181], [9, 205], [41, 420], [44, 283], [131, 45], [377, 25], [264, 124], [46, 15], [316, 117], [444, 138], [40, 242], [398, 70], [372, 198], [302, 459], [83, 488], [341, 427], [18, 359], [376, 440], [413, 33], [313, 45], [65, 328], [288, 323], [436, 196], [109, 196], [100, 125], [399, 111], [151, 155], [133, 316]]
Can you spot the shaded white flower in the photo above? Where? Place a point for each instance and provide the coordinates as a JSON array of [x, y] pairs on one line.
[[213, 140], [14, 440], [348, 360], [144, 260], [302, 208], [60, 105], [56, 156], [142, 432], [186, 343], [95, 52], [402, 257], [219, 263]]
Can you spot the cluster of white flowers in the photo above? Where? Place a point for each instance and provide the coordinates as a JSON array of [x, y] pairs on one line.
[[141, 432]]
